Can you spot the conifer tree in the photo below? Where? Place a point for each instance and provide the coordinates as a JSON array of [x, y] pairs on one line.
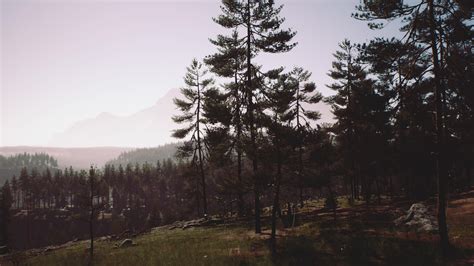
[[15, 192], [46, 186], [362, 113], [92, 192], [260, 23], [25, 187], [303, 94], [229, 62], [389, 60], [192, 115], [348, 76], [425, 24], [6, 201], [280, 99]]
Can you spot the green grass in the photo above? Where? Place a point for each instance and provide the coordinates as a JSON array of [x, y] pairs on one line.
[[368, 238], [196, 246], [317, 243]]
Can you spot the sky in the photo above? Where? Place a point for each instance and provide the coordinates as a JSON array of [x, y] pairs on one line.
[[64, 61]]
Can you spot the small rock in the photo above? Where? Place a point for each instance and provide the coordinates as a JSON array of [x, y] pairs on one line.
[[126, 243]]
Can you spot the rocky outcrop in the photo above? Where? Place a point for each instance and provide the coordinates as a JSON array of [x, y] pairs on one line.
[[418, 218], [195, 223]]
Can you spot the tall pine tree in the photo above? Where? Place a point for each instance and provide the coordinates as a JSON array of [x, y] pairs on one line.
[[229, 62], [431, 24], [260, 23], [192, 115], [304, 94]]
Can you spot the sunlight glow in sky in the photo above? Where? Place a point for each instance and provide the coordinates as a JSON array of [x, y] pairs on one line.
[[70, 60]]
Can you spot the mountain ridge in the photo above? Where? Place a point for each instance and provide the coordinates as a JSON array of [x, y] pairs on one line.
[[148, 127]]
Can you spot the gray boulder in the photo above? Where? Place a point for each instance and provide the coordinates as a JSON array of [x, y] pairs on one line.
[[418, 218]]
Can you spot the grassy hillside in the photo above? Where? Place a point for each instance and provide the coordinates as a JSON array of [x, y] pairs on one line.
[[360, 236]]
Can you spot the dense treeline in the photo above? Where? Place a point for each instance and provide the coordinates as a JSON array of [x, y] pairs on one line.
[[145, 155], [404, 124], [13, 164], [28, 160], [136, 196], [115, 188]]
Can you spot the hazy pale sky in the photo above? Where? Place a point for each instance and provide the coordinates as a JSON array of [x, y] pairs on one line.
[[63, 61]]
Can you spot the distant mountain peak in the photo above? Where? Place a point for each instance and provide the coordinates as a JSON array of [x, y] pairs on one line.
[[169, 96], [148, 127]]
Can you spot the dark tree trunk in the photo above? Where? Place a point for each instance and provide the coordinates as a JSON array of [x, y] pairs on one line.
[[440, 159], [356, 186], [276, 201], [331, 194], [201, 168], [470, 176], [250, 111], [198, 199], [300, 149], [377, 187], [240, 196], [91, 219], [200, 148], [352, 188], [366, 183], [390, 186]]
